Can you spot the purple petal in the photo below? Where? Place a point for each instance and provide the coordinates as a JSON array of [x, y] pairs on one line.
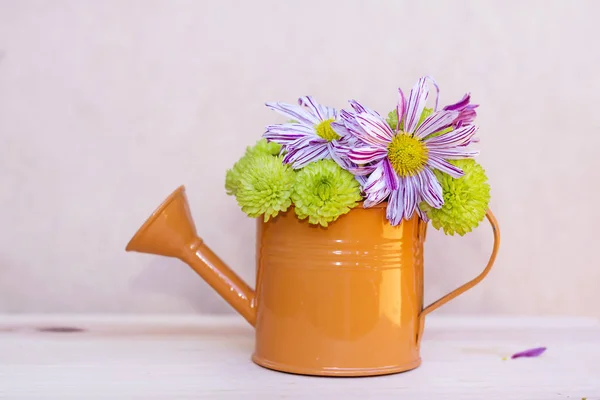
[[376, 197], [430, 189], [409, 195], [439, 163], [459, 137], [436, 122], [359, 108], [437, 91], [287, 133], [365, 155], [340, 128], [422, 214], [294, 112], [376, 130], [467, 116], [455, 153], [459, 105], [395, 209], [535, 352], [416, 103], [350, 124], [302, 156], [390, 176], [376, 181], [362, 170], [317, 109], [400, 107], [361, 180]]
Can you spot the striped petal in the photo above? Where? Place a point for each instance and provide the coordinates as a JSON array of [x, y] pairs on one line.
[[376, 180], [400, 107], [422, 215], [361, 180], [297, 113], [454, 153], [367, 154], [430, 189], [416, 103], [390, 176], [459, 105], [395, 208], [410, 195], [303, 156], [340, 128], [359, 108], [376, 131], [376, 197], [287, 133], [439, 163], [436, 122], [437, 91], [322, 112], [458, 137]]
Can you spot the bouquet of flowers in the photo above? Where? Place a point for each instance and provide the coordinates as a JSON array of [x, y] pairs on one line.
[[324, 162]]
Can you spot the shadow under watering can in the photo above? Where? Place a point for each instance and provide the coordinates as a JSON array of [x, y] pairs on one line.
[[346, 300]]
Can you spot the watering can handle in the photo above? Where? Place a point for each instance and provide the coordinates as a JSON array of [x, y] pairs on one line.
[[453, 294]]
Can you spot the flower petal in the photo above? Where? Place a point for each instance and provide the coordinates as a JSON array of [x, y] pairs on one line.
[[340, 128], [411, 191], [437, 91], [359, 108], [459, 105], [376, 130], [400, 107], [376, 180], [322, 112], [352, 127], [444, 166], [436, 122], [458, 137], [430, 189], [288, 133], [422, 214], [302, 156], [367, 154], [454, 153], [535, 352], [297, 113], [390, 176], [395, 209], [361, 180], [416, 103], [375, 198]]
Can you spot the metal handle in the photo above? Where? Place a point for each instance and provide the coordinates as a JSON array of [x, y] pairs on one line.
[[440, 302]]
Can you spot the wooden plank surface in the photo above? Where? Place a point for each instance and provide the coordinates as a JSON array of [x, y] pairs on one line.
[[192, 357]]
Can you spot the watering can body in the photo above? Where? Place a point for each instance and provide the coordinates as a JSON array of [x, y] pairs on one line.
[[346, 300]]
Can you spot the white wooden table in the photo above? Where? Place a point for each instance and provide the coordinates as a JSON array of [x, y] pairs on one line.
[[192, 357]]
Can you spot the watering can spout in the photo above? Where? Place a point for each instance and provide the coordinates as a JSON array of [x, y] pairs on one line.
[[170, 231]]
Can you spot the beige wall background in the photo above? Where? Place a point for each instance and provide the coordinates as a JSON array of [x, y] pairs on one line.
[[107, 106]]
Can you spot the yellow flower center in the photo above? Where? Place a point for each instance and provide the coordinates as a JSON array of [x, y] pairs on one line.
[[407, 154], [325, 130]]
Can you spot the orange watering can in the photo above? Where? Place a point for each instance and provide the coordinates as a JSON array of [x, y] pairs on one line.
[[346, 300]]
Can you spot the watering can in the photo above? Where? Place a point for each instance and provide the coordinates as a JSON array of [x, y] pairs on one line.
[[346, 300]]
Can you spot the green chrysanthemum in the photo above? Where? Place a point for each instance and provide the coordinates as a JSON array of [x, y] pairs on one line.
[[324, 191], [265, 186], [466, 199], [233, 175]]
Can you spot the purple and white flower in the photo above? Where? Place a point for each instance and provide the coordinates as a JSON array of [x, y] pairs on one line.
[[402, 162], [309, 137]]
